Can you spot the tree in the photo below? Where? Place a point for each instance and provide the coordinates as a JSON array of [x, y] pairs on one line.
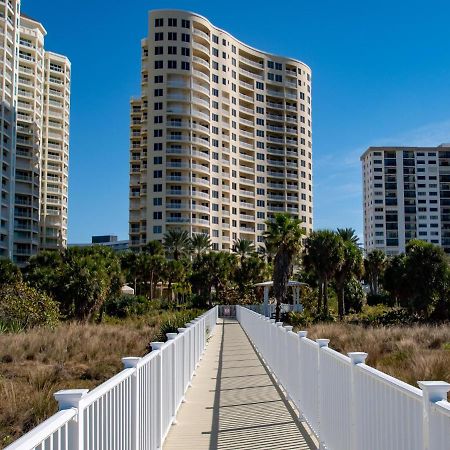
[[24, 306], [176, 243], [9, 272], [154, 248], [251, 270], [394, 279], [324, 254], [243, 248], [174, 272], [80, 279], [426, 275], [200, 243], [374, 266], [349, 234], [351, 266], [284, 233], [152, 269]]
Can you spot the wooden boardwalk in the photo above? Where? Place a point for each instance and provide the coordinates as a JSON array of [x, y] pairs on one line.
[[234, 403]]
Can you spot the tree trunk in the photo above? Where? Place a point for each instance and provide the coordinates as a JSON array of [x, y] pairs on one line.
[[341, 301], [151, 286], [320, 296], [325, 296]]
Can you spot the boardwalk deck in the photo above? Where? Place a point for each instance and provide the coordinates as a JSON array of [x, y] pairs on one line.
[[234, 403]]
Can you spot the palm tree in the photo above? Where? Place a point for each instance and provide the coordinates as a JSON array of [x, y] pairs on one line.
[[323, 256], [176, 243], [243, 248], [154, 248], [349, 234], [374, 265], [200, 243], [352, 265], [284, 233]]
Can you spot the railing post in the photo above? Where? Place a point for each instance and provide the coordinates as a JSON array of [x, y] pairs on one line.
[[156, 346], [131, 362], [184, 365], [433, 391], [70, 398], [356, 358], [301, 334], [175, 375], [322, 343]]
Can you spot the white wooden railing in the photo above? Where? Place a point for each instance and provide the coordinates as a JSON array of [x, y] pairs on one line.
[[132, 410], [347, 404]]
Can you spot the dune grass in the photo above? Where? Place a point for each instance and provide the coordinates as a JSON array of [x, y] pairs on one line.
[[35, 364], [410, 353]]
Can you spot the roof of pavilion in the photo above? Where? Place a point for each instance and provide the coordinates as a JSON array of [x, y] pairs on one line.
[[290, 283]]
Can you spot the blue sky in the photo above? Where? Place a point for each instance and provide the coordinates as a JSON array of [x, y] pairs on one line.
[[381, 76]]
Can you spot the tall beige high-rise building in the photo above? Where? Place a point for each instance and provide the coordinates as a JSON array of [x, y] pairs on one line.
[[34, 123], [220, 136]]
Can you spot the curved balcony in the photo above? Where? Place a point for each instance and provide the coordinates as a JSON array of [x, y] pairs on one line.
[[200, 101], [177, 179], [200, 141], [199, 113], [203, 222], [200, 168], [178, 97], [177, 165], [200, 48], [201, 61], [200, 127], [197, 180], [178, 219], [200, 88], [177, 193], [199, 194], [199, 154], [201, 34], [200, 74]]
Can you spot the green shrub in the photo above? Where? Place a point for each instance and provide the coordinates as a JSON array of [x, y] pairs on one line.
[[382, 315], [127, 305], [379, 299], [23, 307], [176, 320]]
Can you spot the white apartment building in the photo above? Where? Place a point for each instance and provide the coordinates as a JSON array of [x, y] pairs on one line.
[[220, 136], [34, 127], [406, 193]]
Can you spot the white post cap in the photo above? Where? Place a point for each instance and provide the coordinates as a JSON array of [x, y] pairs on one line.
[[279, 324], [302, 334], [130, 362], [323, 342], [435, 390], [357, 357], [180, 330], [69, 398], [171, 336], [156, 345]]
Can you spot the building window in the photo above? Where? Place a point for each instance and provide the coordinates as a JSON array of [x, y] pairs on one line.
[[158, 79], [157, 229], [172, 36], [172, 50], [159, 36], [159, 22], [171, 64], [158, 64], [158, 106], [157, 160], [157, 188], [157, 133], [159, 50], [215, 39], [172, 22], [158, 119], [157, 215], [185, 37], [157, 146], [185, 65], [185, 23], [157, 201], [185, 51]]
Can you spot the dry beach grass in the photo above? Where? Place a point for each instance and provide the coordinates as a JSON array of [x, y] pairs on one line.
[[35, 364], [410, 353]]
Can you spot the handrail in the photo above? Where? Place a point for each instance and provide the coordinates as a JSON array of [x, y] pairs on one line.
[[145, 394], [348, 404]]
